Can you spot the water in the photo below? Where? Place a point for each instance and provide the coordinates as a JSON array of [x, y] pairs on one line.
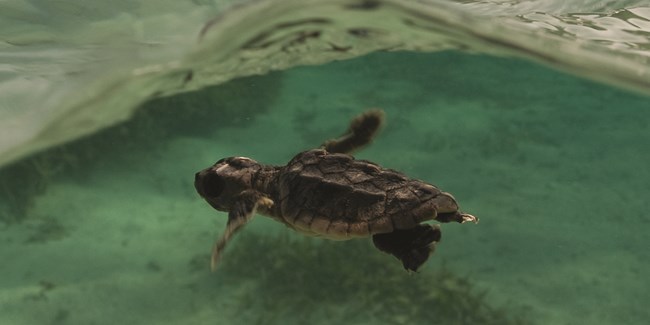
[[108, 229], [135, 51]]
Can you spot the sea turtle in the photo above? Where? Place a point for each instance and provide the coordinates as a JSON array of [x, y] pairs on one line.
[[327, 193]]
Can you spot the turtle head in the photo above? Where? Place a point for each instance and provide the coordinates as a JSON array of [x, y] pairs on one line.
[[220, 184]]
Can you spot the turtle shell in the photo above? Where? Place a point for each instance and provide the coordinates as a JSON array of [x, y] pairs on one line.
[[338, 197]]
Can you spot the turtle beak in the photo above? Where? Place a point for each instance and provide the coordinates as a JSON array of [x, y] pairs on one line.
[[198, 184], [210, 186]]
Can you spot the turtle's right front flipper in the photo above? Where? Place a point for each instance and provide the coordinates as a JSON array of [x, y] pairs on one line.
[[241, 213], [362, 130]]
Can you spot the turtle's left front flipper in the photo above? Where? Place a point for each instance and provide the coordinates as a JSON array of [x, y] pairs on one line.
[[240, 214]]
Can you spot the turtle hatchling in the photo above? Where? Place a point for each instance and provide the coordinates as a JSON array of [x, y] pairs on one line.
[[327, 193]]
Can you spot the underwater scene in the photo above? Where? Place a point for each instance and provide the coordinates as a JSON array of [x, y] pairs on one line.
[[101, 223]]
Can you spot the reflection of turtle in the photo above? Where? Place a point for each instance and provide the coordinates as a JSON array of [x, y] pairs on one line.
[[327, 193]]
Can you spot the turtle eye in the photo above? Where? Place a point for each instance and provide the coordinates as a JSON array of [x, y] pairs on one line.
[[240, 162], [213, 185]]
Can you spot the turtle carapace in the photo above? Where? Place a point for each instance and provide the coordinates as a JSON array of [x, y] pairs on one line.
[[325, 192]]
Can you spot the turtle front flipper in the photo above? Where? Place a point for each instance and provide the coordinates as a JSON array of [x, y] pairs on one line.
[[362, 130], [240, 214], [411, 246]]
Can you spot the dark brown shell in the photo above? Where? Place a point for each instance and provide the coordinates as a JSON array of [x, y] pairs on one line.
[[339, 197]]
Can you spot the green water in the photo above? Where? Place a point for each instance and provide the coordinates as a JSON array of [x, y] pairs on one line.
[[109, 230]]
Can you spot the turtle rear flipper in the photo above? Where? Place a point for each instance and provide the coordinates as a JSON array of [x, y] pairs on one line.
[[411, 246]]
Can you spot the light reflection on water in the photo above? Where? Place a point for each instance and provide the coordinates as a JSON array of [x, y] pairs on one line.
[[605, 41]]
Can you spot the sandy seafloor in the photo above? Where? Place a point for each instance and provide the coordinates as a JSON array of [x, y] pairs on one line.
[[556, 168]]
